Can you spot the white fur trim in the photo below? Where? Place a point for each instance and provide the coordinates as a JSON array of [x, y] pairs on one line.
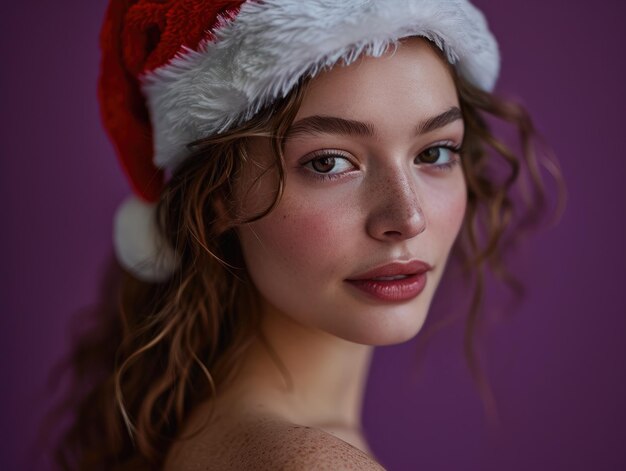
[[137, 243], [262, 53]]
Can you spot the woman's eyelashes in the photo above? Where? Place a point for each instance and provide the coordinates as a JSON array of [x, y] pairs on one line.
[[328, 165], [440, 157], [333, 164]]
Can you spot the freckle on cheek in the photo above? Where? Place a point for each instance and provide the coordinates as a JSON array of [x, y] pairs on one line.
[[299, 241]]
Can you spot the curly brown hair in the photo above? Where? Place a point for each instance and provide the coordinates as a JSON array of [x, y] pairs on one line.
[[163, 348]]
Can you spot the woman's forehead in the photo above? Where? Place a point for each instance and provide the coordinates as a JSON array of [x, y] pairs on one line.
[[406, 86], [410, 83]]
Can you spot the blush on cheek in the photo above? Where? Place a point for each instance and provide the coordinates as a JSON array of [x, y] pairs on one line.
[[457, 210], [448, 205], [298, 240]]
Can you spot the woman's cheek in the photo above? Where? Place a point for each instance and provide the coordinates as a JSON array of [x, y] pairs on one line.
[[300, 239], [447, 203], [458, 206], [454, 210]]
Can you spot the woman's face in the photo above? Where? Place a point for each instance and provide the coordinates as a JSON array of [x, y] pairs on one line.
[[371, 181]]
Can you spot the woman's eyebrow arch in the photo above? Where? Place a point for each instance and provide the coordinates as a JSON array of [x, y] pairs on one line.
[[319, 124], [439, 121]]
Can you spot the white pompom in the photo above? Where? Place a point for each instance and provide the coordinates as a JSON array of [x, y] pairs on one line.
[[138, 245]]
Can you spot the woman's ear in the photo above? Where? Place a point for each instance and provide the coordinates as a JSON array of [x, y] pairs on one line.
[[223, 218], [219, 207]]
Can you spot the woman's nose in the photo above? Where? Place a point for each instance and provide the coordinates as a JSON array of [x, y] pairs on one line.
[[396, 212]]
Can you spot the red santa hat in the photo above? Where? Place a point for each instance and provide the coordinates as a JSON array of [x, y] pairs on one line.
[[174, 71]]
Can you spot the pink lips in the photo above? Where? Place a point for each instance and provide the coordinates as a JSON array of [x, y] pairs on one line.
[[410, 280]]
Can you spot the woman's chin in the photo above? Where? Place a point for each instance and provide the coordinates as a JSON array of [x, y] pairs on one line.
[[385, 327]]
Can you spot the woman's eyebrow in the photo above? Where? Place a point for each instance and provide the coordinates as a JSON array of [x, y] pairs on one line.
[[317, 124], [313, 125], [439, 121]]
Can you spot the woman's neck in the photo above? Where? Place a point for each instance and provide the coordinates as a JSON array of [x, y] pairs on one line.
[[302, 374]]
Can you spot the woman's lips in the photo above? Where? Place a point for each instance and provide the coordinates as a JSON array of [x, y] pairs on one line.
[[392, 290], [393, 282]]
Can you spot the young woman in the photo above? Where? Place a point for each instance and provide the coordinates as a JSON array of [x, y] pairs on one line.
[[303, 171]]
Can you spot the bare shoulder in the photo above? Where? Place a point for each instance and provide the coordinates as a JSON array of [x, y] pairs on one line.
[[260, 443], [292, 447]]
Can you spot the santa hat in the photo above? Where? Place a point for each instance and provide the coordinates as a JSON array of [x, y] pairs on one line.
[[175, 71]]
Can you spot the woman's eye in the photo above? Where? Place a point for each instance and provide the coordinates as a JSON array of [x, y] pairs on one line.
[[329, 164], [438, 156]]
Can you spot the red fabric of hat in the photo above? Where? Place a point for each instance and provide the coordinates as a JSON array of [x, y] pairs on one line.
[[138, 37]]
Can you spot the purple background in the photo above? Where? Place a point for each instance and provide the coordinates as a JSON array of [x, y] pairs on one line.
[[557, 364]]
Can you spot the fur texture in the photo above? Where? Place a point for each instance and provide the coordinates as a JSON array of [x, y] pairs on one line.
[[138, 246], [262, 53]]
